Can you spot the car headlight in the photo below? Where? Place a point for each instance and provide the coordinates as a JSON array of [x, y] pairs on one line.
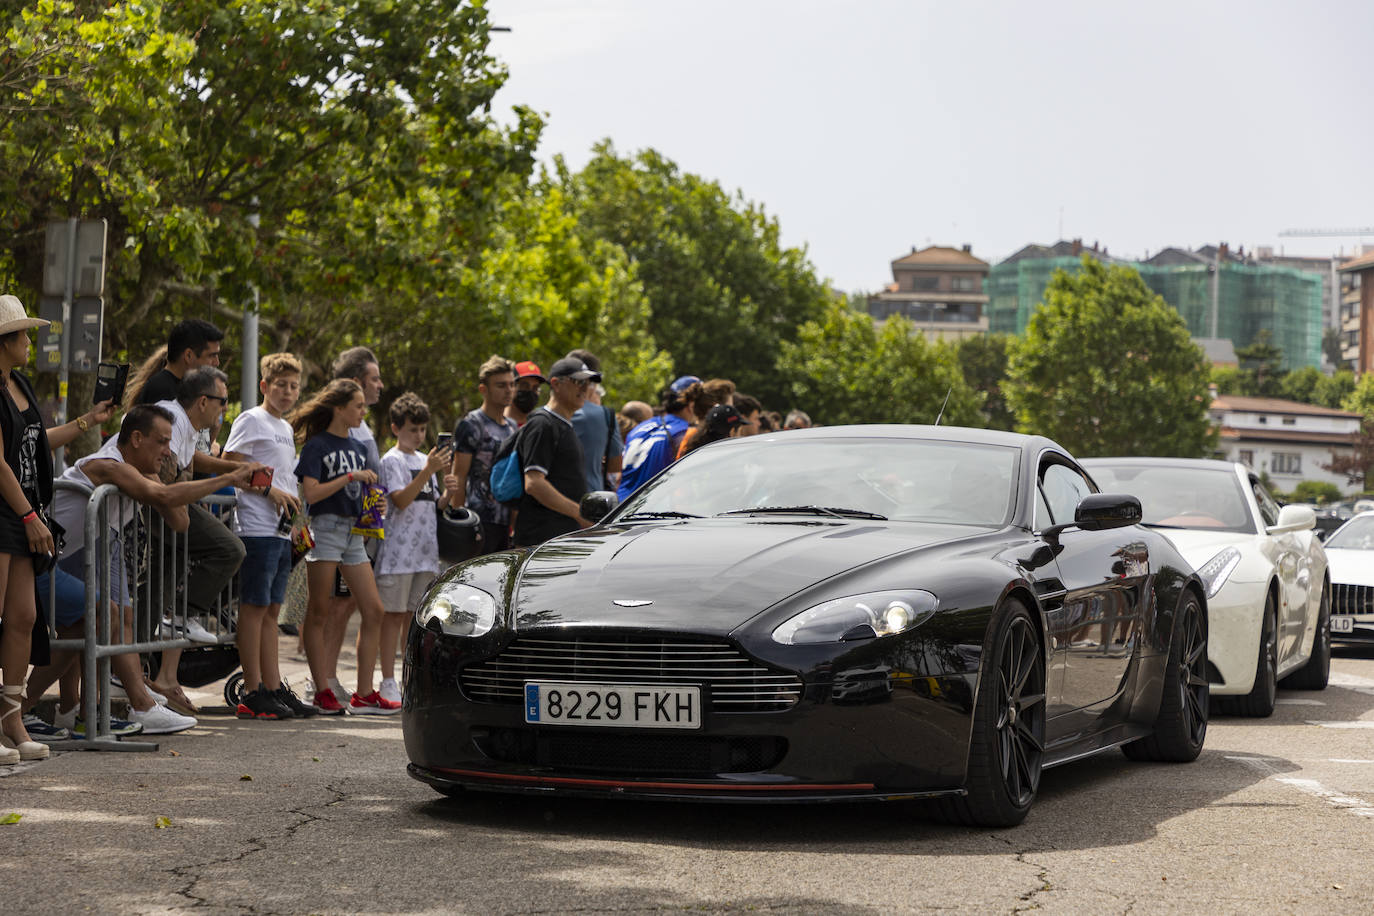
[[858, 617], [1217, 570], [457, 610]]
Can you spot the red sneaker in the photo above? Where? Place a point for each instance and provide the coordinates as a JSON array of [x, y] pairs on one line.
[[328, 704], [374, 704]]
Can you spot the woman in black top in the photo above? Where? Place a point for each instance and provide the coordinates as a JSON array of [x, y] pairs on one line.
[[26, 483]]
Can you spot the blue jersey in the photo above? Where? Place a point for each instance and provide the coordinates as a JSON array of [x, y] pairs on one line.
[[649, 448]]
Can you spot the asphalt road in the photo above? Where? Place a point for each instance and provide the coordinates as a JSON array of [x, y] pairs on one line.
[[1277, 816]]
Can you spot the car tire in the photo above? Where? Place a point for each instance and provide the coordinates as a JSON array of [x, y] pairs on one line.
[[1259, 702], [1008, 743], [1181, 725], [1317, 672]]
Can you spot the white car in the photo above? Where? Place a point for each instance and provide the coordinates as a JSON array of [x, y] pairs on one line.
[[1265, 570], [1350, 553]]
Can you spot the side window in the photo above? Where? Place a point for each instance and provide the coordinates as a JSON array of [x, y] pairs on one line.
[[1043, 519], [1269, 509], [1063, 488]]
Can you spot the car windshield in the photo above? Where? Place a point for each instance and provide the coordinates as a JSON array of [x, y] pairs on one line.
[[1356, 534], [878, 478], [1207, 499]]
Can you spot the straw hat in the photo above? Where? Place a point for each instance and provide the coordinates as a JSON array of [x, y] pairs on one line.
[[14, 318]]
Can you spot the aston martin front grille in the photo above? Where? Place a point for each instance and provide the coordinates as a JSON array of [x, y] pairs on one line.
[[1352, 599], [679, 756], [734, 682]]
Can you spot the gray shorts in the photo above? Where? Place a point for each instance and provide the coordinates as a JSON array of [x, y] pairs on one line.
[[334, 542], [403, 591]]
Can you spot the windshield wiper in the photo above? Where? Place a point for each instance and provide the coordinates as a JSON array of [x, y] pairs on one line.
[[807, 510], [666, 514]]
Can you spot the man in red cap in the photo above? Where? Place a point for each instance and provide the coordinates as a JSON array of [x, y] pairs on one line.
[[528, 378]]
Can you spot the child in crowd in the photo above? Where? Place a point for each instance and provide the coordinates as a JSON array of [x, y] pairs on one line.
[[332, 471], [263, 522], [409, 559]]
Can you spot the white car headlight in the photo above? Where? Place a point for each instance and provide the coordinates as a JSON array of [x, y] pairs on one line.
[[873, 614], [458, 610], [1217, 570]]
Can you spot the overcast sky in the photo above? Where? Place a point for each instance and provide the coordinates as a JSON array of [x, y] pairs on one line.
[[868, 127]]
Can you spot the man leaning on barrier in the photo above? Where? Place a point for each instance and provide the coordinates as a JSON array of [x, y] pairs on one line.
[[130, 462]]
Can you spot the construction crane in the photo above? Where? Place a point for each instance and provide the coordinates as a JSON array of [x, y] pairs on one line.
[[1325, 233]]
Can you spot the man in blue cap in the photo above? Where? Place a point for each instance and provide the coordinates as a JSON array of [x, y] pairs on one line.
[[651, 446]]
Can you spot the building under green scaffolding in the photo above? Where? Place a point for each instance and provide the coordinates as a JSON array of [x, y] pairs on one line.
[[1250, 297]]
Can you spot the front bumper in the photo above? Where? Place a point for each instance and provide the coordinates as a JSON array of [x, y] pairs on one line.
[[899, 734]]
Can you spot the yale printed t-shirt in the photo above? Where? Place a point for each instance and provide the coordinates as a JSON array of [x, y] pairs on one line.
[[326, 457]]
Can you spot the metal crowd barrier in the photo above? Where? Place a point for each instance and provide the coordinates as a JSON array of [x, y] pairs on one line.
[[158, 617]]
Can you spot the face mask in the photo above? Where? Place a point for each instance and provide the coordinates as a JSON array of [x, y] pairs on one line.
[[525, 400]]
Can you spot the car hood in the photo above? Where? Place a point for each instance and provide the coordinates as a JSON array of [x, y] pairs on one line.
[[1350, 567], [703, 575]]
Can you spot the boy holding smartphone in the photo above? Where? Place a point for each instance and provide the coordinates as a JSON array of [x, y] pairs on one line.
[[409, 559], [263, 521]]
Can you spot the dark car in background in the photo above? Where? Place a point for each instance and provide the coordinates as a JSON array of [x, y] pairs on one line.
[[868, 612]]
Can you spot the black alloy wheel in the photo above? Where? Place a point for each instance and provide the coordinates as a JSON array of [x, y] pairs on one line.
[[1259, 702], [1181, 726], [1317, 672], [1008, 727]]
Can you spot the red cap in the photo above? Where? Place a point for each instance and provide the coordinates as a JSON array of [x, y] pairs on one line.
[[528, 369]]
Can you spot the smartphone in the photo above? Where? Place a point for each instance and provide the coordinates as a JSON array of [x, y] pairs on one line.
[[109, 382], [445, 440], [261, 478]]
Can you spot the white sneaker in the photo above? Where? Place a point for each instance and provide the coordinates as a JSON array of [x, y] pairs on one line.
[[390, 690], [66, 719], [197, 633], [161, 721]]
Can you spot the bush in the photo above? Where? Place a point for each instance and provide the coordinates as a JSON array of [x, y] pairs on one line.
[[1316, 491]]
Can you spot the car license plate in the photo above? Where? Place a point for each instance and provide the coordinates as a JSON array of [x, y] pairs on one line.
[[1342, 624], [613, 705]]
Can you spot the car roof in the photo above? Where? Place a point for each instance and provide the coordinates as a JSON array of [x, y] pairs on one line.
[[912, 431], [1211, 463]]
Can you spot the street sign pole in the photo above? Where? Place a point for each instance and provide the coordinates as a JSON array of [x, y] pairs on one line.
[[68, 295]]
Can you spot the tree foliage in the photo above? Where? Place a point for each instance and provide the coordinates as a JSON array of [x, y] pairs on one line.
[[983, 360], [845, 369], [724, 293], [1261, 366], [1106, 367]]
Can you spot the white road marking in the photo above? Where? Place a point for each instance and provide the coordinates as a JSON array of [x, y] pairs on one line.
[[1347, 760], [1270, 767], [1296, 702], [1356, 806], [1359, 723]]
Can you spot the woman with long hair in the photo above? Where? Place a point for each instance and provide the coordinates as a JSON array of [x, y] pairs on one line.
[[26, 477], [333, 471], [703, 397], [722, 422]]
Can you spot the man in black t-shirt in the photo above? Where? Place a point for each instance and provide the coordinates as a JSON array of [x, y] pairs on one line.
[[193, 343], [551, 459]]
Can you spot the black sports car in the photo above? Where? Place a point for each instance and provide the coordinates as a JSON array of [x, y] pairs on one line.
[[825, 614]]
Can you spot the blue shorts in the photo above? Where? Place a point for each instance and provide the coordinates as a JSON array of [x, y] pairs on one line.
[[71, 584], [335, 542], [266, 567]]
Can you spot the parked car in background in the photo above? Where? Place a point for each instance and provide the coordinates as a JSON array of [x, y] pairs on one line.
[[1268, 592], [1350, 553]]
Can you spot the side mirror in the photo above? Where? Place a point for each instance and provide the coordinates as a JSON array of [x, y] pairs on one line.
[[1294, 518], [1100, 511], [597, 504]]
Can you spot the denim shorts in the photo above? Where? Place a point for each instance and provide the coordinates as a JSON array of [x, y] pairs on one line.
[[71, 584], [266, 567], [334, 542]]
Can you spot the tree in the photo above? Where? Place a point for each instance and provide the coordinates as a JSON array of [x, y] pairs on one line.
[[844, 369], [724, 294], [1106, 367], [1332, 346], [983, 360], [337, 155], [1261, 365], [1354, 466], [1315, 491], [1312, 386]]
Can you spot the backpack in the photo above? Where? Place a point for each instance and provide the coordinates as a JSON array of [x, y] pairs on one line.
[[507, 480]]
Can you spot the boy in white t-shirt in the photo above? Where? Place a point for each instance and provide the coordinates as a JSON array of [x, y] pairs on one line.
[[263, 522], [409, 559]]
